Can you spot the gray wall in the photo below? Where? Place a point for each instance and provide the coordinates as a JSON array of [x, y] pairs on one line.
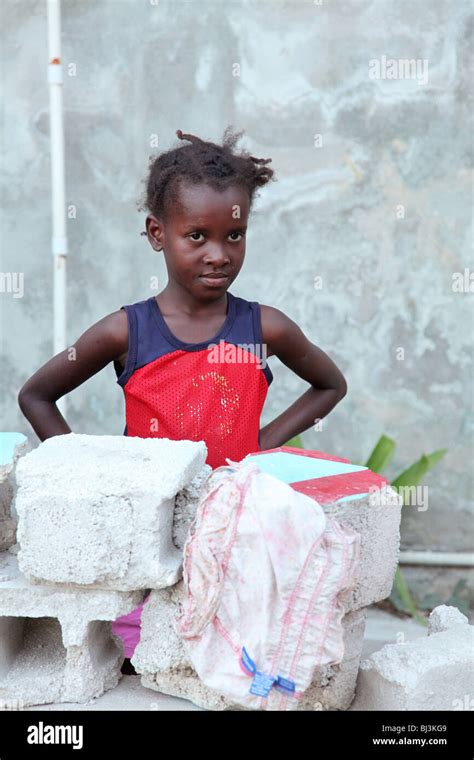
[[144, 69]]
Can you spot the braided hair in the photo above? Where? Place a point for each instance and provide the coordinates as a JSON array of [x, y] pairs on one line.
[[201, 161]]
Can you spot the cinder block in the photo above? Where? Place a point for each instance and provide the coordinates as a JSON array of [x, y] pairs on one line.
[[186, 504], [333, 686], [162, 661], [432, 673], [12, 447], [97, 511], [56, 644], [160, 655], [357, 499], [376, 517], [443, 618]]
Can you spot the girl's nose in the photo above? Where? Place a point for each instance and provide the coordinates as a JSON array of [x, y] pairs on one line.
[[216, 256]]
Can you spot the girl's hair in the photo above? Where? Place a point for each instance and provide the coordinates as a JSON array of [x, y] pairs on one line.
[[201, 161]]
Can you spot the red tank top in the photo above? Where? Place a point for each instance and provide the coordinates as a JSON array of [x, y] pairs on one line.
[[211, 391]]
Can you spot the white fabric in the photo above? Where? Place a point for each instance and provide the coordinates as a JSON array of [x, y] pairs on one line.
[[263, 569]]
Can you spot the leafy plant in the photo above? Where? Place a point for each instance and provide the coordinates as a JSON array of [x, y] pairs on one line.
[[402, 599], [296, 442], [382, 454]]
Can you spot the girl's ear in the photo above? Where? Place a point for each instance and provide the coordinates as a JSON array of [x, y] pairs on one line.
[[154, 231]]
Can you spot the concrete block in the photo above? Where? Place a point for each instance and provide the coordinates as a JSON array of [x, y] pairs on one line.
[[160, 656], [384, 627], [185, 507], [12, 447], [333, 686], [97, 511], [435, 672], [56, 644], [162, 661], [128, 696], [376, 517], [443, 618]]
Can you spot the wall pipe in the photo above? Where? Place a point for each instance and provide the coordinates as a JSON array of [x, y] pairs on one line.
[[443, 559], [58, 195]]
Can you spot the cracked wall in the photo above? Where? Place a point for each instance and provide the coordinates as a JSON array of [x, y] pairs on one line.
[[387, 281]]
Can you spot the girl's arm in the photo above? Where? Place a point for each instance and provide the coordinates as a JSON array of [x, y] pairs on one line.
[[102, 343], [285, 339]]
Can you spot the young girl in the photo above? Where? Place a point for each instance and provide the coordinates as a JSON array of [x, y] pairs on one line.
[[188, 359]]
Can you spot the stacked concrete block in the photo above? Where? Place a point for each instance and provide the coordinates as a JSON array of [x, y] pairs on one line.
[[56, 643], [95, 529], [333, 686], [12, 447], [376, 517], [161, 659], [103, 518], [186, 504], [160, 656], [432, 673], [97, 511]]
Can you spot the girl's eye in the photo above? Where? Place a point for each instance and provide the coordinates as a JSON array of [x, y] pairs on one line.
[[200, 233]]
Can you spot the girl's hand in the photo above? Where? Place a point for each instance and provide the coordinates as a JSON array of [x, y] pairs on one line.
[[284, 339]]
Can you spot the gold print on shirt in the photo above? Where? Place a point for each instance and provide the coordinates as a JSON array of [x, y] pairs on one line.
[[223, 397]]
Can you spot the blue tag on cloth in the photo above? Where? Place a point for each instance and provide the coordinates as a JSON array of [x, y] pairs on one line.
[[284, 684], [261, 684], [247, 662]]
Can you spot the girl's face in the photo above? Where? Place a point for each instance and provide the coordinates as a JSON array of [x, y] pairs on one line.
[[203, 236]]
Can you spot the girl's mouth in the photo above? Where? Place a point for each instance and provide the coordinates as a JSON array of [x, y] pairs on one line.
[[213, 281]]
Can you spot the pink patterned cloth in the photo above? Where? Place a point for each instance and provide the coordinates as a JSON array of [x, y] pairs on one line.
[[128, 628], [264, 568]]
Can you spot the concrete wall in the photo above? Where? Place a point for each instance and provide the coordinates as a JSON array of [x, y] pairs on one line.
[[380, 210]]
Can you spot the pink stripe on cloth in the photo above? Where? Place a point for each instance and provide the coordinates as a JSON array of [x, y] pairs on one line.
[[128, 628]]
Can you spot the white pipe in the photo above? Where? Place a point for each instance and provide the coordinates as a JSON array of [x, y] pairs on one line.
[[58, 194], [443, 559]]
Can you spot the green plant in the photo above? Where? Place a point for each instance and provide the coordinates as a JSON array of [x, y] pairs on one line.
[[296, 442]]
